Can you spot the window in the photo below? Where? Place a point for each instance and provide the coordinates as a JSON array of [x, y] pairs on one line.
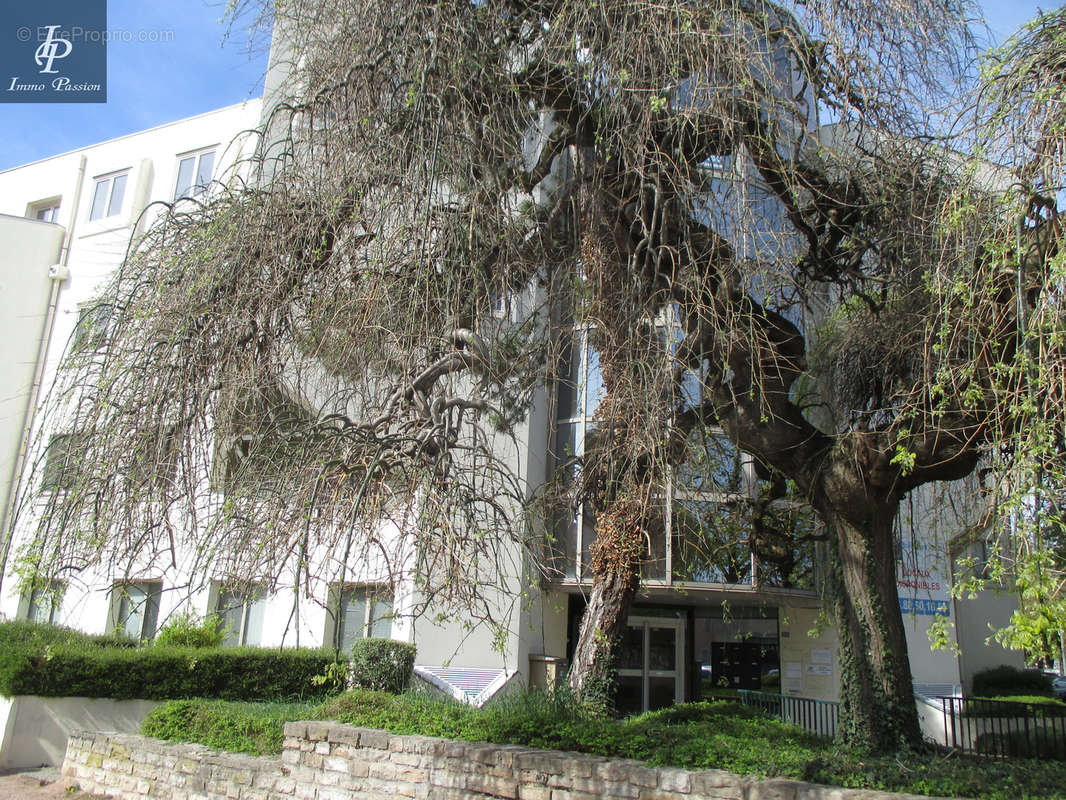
[[107, 196], [242, 612], [94, 321], [45, 210], [61, 461], [579, 392], [135, 608], [41, 601], [358, 612], [194, 173]]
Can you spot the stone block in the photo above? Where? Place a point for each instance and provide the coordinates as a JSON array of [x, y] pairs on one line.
[[675, 780], [322, 748], [101, 746], [528, 791], [284, 785], [775, 789], [335, 764], [446, 779], [565, 794], [408, 759], [358, 768], [375, 740], [719, 785], [497, 787], [344, 734], [454, 750], [540, 761], [483, 754], [119, 766], [383, 770], [318, 731]]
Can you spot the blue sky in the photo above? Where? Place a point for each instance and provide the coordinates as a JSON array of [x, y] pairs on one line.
[[190, 69]]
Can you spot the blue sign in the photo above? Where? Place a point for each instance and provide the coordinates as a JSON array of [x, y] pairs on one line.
[[53, 51], [924, 606]]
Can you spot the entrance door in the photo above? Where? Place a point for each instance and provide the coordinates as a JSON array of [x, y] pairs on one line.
[[650, 664]]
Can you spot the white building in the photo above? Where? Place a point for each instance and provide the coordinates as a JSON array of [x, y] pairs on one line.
[[704, 619], [79, 211]]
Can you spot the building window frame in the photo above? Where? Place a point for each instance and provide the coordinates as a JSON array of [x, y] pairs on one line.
[[578, 392], [375, 602], [46, 210], [93, 326], [41, 600], [135, 608], [194, 181], [108, 195], [60, 461], [242, 611]]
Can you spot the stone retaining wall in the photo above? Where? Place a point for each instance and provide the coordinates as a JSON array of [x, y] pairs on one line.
[[327, 761]]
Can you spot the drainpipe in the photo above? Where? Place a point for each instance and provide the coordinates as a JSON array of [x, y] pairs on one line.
[[56, 274]]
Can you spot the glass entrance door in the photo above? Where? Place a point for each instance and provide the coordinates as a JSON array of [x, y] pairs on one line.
[[650, 664]]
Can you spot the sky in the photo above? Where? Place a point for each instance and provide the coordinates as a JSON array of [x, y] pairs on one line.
[[187, 65]]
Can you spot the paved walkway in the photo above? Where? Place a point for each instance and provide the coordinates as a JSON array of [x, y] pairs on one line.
[[37, 784]]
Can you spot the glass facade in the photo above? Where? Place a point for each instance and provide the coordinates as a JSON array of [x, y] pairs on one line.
[[718, 524]]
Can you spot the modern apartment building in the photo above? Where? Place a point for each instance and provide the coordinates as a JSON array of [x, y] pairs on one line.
[[718, 607]]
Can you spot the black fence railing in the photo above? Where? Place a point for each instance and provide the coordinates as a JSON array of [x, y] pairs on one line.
[[1004, 728], [816, 716]]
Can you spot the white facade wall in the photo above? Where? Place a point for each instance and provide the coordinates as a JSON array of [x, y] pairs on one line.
[[28, 248], [92, 250]]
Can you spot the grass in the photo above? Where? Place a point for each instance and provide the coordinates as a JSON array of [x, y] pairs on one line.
[[1035, 699], [718, 735], [254, 728]]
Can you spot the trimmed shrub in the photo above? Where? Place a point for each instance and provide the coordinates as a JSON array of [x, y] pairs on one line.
[[189, 630], [37, 635], [1005, 681], [161, 673], [382, 665]]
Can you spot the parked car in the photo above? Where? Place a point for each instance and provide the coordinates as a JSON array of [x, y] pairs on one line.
[[1058, 686]]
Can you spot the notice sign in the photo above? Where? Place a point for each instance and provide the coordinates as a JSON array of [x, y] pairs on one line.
[[924, 606], [921, 579], [53, 51]]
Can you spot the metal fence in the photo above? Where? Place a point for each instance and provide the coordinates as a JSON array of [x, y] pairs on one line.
[[816, 716], [1004, 727]]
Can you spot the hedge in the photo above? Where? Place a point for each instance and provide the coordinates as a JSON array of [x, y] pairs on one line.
[[382, 665], [1005, 680], [23, 633], [162, 673]]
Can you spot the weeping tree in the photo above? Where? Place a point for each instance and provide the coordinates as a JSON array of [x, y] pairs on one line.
[[834, 298], [1020, 116]]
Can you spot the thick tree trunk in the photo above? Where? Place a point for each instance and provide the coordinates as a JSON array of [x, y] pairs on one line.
[[615, 566], [877, 709]]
